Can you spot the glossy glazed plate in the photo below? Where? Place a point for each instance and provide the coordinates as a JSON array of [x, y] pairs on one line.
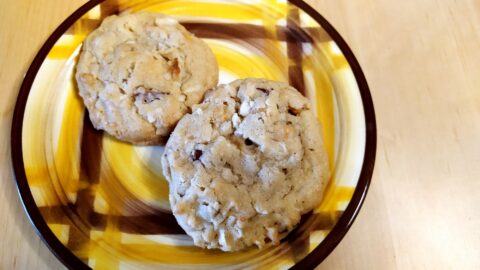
[[103, 204]]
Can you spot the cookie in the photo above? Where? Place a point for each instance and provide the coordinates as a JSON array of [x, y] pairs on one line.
[[138, 74], [245, 165]]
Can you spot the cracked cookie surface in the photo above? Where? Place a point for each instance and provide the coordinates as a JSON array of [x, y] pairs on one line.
[[138, 74], [245, 165]]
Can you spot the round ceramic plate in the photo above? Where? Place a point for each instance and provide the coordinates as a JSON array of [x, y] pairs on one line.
[[103, 204]]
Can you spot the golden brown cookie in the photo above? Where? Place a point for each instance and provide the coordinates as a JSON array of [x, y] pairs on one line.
[[138, 74], [245, 165]]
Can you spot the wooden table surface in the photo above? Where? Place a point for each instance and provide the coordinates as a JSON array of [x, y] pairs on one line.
[[422, 61]]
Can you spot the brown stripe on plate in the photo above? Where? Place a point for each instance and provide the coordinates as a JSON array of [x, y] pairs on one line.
[[138, 216], [299, 238], [294, 49], [83, 214], [157, 223], [225, 30], [303, 34], [325, 220], [295, 77], [108, 8], [54, 214], [248, 31], [66, 215]]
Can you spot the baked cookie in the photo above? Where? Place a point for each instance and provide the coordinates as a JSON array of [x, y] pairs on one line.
[[138, 74], [245, 165]]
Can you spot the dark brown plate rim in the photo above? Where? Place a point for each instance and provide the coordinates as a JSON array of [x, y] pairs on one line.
[[309, 262]]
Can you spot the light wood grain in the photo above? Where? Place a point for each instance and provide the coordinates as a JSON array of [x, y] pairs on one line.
[[422, 61], [24, 26]]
